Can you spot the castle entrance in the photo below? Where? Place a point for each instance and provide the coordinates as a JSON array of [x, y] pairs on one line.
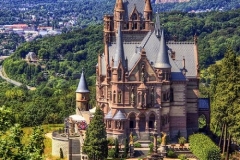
[[132, 122], [142, 122], [151, 121]]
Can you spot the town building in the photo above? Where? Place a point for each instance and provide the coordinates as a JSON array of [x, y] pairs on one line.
[[143, 81]]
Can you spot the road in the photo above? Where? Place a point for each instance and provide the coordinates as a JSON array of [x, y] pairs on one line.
[[13, 81]]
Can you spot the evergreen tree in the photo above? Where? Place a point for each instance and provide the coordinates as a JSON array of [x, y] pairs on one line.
[[126, 148], [225, 96], [116, 149], [95, 144]]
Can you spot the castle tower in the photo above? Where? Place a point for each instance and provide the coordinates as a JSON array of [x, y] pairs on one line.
[[147, 14], [162, 65], [118, 14], [82, 95]]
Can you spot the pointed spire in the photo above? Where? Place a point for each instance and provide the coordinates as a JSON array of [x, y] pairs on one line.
[[157, 26], [148, 6], [162, 57], [82, 85], [119, 56], [119, 5]]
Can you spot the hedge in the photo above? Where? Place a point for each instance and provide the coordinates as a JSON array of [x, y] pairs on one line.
[[204, 148]]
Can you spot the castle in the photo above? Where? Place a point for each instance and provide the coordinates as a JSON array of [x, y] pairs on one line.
[[143, 81]]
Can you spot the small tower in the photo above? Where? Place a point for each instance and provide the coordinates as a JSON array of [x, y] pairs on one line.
[[118, 13], [82, 95], [148, 14], [162, 64]]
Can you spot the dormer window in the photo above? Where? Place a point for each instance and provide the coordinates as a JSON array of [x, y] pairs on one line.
[[134, 16]]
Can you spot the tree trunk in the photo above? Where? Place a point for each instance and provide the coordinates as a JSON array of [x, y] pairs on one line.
[[228, 146], [224, 139], [220, 141]]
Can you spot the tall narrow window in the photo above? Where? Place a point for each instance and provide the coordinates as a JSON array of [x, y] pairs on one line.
[[139, 98], [119, 74], [114, 96], [119, 97]]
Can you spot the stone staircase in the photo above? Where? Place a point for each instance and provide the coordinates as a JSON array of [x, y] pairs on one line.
[[144, 136], [144, 139]]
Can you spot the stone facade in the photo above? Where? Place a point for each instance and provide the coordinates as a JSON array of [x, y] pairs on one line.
[[145, 78]]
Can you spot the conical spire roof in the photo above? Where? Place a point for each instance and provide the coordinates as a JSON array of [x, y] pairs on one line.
[[119, 116], [119, 55], [119, 5], [108, 115], [148, 6], [162, 60], [82, 85]]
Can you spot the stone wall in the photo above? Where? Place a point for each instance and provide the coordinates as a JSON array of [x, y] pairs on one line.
[[62, 142]]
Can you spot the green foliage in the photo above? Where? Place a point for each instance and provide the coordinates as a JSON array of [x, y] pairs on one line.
[[203, 147], [182, 157], [111, 141], [12, 147], [171, 154], [182, 140], [137, 145], [126, 148], [111, 153], [151, 145], [36, 141], [224, 93], [116, 149], [7, 119], [96, 144]]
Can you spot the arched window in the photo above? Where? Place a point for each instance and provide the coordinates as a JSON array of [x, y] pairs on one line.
[[114, 96]]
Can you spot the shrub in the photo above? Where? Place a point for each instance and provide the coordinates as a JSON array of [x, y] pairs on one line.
[[111, 153], [151, 147], [182, 140], [171, 154], [137, 145], [111, 141], [203, 147], [182, 157]]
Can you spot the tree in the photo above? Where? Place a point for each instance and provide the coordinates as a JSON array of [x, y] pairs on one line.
[[7, 119], [225, 96], [126, 148], [116, 149], [36, 144], [95, 144]]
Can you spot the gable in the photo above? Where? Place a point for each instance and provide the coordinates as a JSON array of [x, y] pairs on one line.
[[142, 70]]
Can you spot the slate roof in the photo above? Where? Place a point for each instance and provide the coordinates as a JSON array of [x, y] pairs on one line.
[[162, 60], [119, 116], [82, 85], [119, 54], [108, 115], [129, 6], [151, 44], [186, 50]]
